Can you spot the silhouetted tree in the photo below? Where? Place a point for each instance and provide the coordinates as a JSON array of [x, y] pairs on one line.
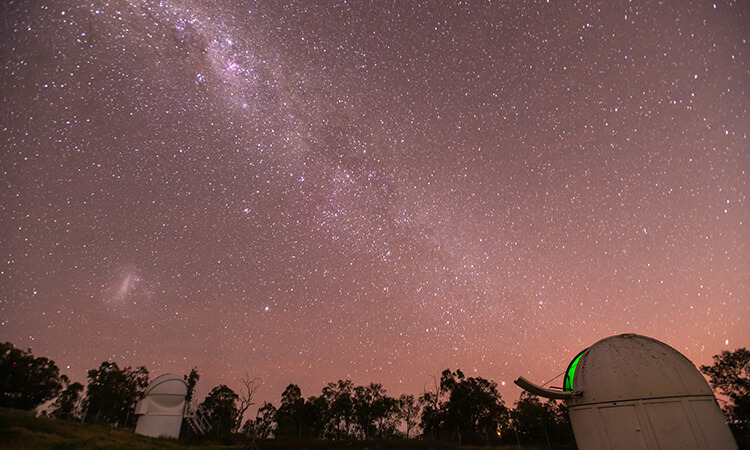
[[730, 375], [374, 412], [474, 406], [408, 411], [245, 398], [264, 424], [532, 419], [432, 413], [562, 432], [339, 419], [113, 392], [220, 408], [191, 380], [25, 381], [190, 403], [67, 404], [387, 418], [315, 413], [290, 416], [465, 410]]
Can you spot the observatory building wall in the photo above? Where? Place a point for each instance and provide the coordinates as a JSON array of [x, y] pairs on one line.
[[161, 410], [632, 392], [685, 423], [635, 392]]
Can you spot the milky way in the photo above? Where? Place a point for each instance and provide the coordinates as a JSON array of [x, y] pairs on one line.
[[314, 191]]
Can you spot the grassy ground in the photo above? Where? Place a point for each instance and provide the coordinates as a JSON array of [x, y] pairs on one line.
[[284, 444], [20, 431]]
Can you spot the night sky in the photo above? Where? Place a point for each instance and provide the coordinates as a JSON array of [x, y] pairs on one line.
[[374, 191]]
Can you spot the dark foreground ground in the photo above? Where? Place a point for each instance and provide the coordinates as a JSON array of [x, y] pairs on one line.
[[19, 431]]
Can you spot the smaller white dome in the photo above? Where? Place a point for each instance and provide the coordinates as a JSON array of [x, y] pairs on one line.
[[162, 408], [167, 384]]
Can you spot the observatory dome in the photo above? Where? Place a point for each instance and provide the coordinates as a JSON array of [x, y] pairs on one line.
[[167, 390], [162, 408], [630, 367], [632, 392]]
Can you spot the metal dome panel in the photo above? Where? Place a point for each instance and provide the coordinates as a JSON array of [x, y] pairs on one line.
[[630, 367], [167, 384]]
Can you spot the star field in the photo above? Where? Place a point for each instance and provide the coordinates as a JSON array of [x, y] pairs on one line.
[[309, 191]]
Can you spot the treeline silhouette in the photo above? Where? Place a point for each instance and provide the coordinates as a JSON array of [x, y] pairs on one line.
[[457, 409], [461, 410]]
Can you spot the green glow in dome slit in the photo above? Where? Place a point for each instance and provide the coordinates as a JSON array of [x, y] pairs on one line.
[[571, 372]]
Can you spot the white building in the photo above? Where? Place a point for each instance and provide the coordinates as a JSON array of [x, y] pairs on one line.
[[161, 410], [634, 392]]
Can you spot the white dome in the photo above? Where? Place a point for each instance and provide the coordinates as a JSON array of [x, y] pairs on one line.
[[167, 384], [162, 408], [167, 391], [631, 367], [634, 392]]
